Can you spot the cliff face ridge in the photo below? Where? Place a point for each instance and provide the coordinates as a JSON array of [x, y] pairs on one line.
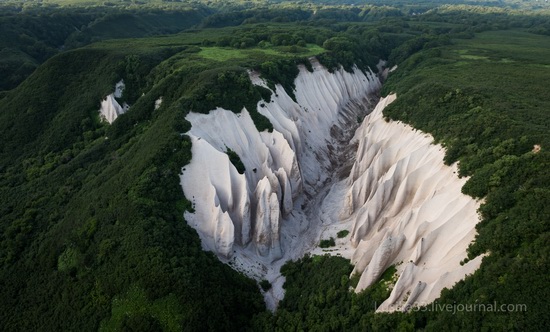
[[327, 166]]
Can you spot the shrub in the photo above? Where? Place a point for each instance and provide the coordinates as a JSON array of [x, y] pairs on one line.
[[342, 233], [327, 243], [266, 285]]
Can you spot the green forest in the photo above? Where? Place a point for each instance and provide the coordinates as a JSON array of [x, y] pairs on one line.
[[92, 234]]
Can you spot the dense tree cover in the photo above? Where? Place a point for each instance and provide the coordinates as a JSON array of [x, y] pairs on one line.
[[33, 31], [28, 40], [31, 36], [327, 243], [319, 297], [91, 214], [342, 233]]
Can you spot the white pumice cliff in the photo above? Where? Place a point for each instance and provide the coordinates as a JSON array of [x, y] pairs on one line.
[[110, 108], [404, 206], [323, 170]]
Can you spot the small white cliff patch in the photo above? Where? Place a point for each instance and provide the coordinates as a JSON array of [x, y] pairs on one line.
[[110, 108], [158, 103]]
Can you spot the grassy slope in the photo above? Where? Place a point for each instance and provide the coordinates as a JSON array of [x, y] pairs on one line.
[[224, 54]]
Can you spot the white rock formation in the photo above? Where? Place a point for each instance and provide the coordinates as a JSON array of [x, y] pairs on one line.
[[305, 181], [403, 205], [271, 176], [255, 219], [110, 108], [158, 103]]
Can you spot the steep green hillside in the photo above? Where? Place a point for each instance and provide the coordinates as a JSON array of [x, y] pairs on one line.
[[31, 35], [92, 214]]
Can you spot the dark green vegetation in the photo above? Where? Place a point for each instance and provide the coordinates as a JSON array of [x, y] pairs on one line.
[[30, 35], [318, 297], [265, 285], [342, 234], [483, 98], [327, 243], [236, 161], [91, 228]]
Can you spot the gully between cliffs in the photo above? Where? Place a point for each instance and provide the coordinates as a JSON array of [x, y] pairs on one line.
[[331, 163]]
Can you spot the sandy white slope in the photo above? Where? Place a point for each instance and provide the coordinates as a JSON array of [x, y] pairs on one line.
[[404, 206], [305, 181], [110, 109]]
